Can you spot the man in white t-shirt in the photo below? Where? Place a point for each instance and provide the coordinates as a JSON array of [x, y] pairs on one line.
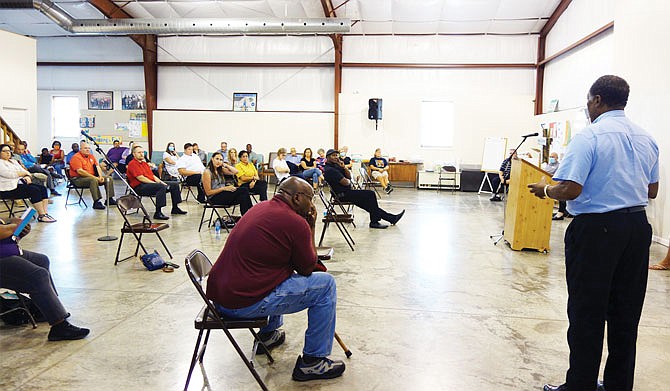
[[190, 167]]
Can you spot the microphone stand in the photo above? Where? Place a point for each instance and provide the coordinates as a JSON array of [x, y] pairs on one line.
[[501, 235], [108, 237]]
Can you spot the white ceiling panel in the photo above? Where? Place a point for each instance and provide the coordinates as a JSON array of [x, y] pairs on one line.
[[371, 16], [462, 10]]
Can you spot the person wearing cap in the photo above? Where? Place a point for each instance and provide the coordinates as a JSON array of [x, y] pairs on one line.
[[339, 178]]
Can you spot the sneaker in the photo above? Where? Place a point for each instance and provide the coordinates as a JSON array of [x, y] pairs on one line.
[[271, 340], [111, 201], [54, 193], [66, 331], [324, 368], [98, 205], [389, 189], [495, 198]]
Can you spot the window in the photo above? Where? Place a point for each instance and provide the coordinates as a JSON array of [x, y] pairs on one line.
[[65, 116], [437, 124]]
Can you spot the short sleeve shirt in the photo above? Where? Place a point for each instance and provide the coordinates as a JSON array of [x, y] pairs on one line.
[[333, 174], [378, 162], [614, 160]]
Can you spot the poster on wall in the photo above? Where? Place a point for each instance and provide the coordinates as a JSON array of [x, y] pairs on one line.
[[100, 100], [244, 101], [87, 121], [133, 100]]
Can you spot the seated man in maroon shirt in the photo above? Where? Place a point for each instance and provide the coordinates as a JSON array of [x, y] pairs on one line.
[[142, 180], [266, 269]]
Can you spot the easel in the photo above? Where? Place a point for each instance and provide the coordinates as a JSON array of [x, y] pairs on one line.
[[485, 180]]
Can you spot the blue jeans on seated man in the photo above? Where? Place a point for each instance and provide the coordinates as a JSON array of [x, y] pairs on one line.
[[313, 173], [316, 292]]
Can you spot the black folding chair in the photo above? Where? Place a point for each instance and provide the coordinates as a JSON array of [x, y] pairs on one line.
[[79, 191], [367, 182], [339, 219], [23, 307], [198, 267], [127, 205], [213, 207]]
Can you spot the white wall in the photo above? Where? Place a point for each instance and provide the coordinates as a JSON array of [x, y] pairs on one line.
[[635, 50], [641, 57], [265, 131], [18, 83]]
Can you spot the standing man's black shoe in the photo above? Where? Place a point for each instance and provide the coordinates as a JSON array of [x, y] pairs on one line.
[[549, 387], [495, 198]]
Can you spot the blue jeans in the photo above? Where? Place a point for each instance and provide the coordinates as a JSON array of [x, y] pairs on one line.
[[313, 173], [316, 292]]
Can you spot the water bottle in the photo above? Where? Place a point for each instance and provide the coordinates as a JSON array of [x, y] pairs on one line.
[[217, 228]]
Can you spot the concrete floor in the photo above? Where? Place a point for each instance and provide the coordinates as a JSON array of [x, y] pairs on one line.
[[430, 304]]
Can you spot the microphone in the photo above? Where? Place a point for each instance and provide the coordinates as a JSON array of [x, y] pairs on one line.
[[530, 135]]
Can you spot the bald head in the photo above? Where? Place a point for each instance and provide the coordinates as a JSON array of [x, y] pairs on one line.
[[294, 185], [298, 195]]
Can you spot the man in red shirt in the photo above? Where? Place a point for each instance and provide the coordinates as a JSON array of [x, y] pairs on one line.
[[85, 172], [142, 180], [255, 276]]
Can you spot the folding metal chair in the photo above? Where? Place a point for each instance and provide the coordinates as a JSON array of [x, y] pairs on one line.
[[12, 206], [189, 188], [367, 182], [78, 190], [339, 219], [127, 205], [208, 205], [198, 267], [447, 174], [21, 307]]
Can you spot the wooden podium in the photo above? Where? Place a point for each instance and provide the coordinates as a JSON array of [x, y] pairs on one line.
[[527, 218]]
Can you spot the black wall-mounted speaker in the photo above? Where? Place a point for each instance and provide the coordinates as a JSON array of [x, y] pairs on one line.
[[375, 108]]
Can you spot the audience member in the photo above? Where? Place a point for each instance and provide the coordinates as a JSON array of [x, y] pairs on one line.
[[664, 264], [344, 155], [321, 159], [280, 166], [200, 153], [74, 151], [28, 272], [309, 169], [170, 158], [220, 186], [255, 158], [501, 182], [247, 176], [232, 157], [190, 167], [31, 165], [224, 151], [85, 172], [16, 183], [44, 157], [142, 180], [339, 179], [255, 276], [293, 157], [58, 162], [379, 169], [114, 155]]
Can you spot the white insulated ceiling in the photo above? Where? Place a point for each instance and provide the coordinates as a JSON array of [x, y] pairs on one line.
[[369, 17]]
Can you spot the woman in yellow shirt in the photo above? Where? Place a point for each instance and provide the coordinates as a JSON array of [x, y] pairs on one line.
[[247, 176]]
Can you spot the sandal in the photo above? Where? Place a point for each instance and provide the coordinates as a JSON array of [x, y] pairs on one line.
[[45, 218], [168, 269]]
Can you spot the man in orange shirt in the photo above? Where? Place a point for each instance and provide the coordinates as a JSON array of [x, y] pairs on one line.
[[85, 172]]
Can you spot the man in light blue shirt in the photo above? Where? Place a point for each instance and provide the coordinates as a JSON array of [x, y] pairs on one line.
[[607, 176], [30, 163]]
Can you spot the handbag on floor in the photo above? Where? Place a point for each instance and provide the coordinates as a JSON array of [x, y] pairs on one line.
[[153, 261]]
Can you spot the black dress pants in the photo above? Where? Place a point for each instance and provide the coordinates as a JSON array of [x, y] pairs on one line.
[[194, 180], [239, 197], [606, 259], [260, 188], [159, 191], [366, 200]]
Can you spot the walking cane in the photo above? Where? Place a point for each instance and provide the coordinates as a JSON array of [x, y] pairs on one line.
[[344, 347]]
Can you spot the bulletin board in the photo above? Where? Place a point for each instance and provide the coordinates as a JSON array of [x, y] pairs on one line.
[[494, 153]]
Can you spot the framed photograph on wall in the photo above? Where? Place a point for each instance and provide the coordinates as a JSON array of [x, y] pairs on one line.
[[100, 100], [133, 100], [244, 101]]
